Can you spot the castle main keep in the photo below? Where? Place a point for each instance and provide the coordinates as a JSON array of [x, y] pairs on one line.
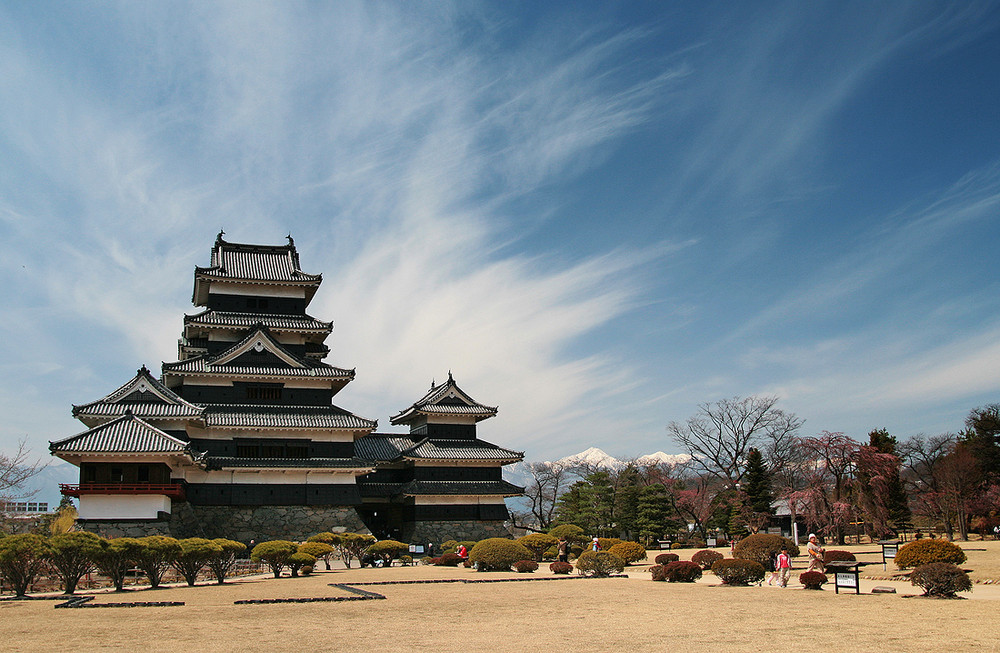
[[240, 438]]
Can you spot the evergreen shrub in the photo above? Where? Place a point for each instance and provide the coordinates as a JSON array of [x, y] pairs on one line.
[[525, 566], [705, 558], [497, 554], [940, 579], [835, 555], [763, 548], [923, 552], [298, 560], [406, 560], [448, 560], [812, 580], [386, 550], [682, 571], [573, 533], [599, 563], [630, 552], [665, 558], [274, 553], [734, 571], [537, 543], [22, 558], [607, 542], [560, 567]]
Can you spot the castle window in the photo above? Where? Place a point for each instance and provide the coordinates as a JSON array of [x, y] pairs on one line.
[[263, 393]]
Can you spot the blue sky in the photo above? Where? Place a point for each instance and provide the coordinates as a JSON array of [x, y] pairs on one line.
[[597, 215]]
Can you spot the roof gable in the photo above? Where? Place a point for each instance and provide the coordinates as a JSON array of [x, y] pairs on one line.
[[259, 348], [126, 434], [445, 399], [142, 395]]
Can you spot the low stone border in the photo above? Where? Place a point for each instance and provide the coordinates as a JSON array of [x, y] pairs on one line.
[[85, 602], [431, 581], [360, 595]]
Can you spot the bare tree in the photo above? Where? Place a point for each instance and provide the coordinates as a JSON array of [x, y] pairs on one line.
[[548, 482], [15, 470], [721, 435]]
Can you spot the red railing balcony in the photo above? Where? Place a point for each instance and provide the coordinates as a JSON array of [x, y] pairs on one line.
[[172, 490]]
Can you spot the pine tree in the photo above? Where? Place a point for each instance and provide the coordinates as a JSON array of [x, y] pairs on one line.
[[757, 483]]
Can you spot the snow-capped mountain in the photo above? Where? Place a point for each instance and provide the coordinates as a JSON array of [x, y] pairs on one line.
[[519, 474]]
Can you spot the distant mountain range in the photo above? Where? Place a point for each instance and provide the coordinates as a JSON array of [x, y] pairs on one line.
[[45, 484], [519, 474]]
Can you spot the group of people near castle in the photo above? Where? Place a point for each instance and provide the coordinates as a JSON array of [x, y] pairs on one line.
[[783, 562]]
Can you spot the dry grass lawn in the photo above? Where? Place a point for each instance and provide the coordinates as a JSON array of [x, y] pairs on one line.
[[577, 615]]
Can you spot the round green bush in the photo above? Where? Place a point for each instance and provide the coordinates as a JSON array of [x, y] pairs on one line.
[[682, 571], [525, 566], [812, 580], [406, 560], [560, 567], [924, 552], [666, 558], [599, 563], [537, 543], [497, 554], [705, 558], [607, 542], [835, 555], [573, 533], [940, 579], [763, 548], [387, 550], [629, 552], [733, 571]]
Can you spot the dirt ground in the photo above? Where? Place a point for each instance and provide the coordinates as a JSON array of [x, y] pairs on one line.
[[579, 615]]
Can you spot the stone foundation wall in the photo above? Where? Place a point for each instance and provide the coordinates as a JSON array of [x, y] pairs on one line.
[[440, 531], [240, 523], [125, 528]]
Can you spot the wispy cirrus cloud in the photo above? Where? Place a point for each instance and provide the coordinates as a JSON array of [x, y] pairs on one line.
[[389, 145]]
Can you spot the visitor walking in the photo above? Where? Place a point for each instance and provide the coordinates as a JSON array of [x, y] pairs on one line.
[[595, 545], [816, 553], [782, 569], [563, 550]]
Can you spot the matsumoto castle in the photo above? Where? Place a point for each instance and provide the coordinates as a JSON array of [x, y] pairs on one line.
[[240, 439]]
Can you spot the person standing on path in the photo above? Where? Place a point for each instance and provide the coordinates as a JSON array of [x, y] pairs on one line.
[[595, 545], [816, 553], [563, 550]]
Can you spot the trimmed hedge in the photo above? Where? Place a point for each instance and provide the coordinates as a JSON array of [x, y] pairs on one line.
[[599, 563], [835, 555], [940, 579], [924, 552], [682, 571], [559, 567], [666, 558], [497, 554], [733, 571], [706, 558], [448, 560], [812, 580], [658, 572], [525, 566], [629, 552], [763, 548]]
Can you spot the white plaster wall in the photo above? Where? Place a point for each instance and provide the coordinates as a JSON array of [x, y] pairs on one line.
[[118, 506], [458, 499], [225, 288]]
